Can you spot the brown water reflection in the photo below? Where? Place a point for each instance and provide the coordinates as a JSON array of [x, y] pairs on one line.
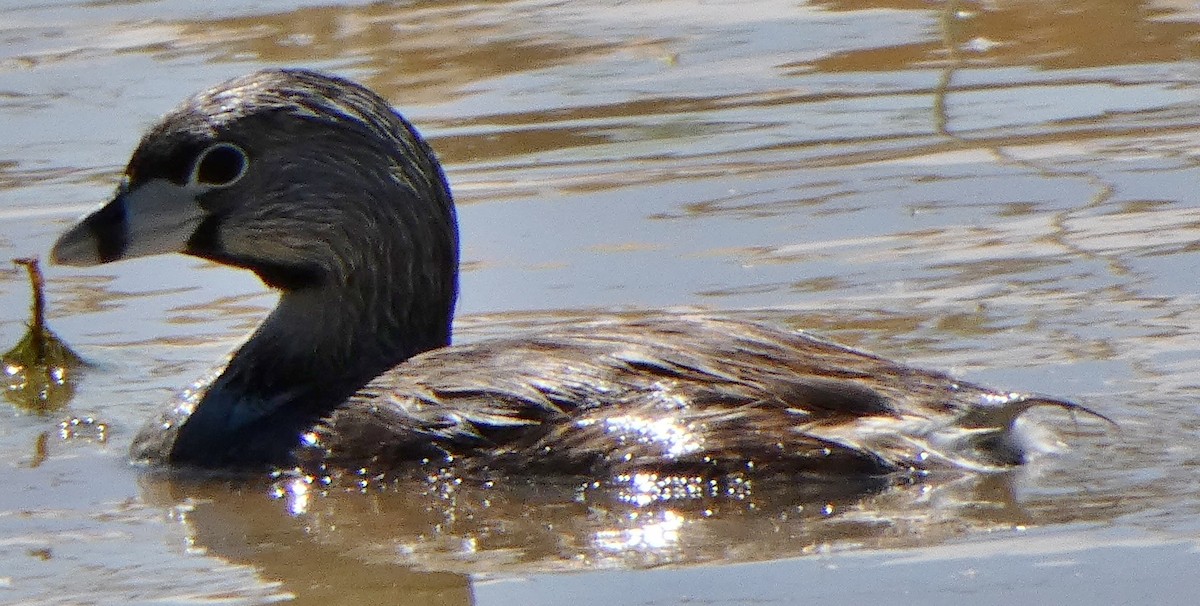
[[424, 540], [1004, 190], [434, 64], [1048, 35]]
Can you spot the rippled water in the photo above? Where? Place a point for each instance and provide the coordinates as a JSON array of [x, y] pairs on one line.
[[1004, 190]]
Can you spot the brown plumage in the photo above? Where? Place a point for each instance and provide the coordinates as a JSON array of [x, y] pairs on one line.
[[316, 184]]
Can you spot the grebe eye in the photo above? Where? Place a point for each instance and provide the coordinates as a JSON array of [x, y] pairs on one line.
[[221, 165]]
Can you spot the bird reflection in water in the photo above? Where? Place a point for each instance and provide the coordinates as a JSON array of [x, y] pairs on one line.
[[437, 522]]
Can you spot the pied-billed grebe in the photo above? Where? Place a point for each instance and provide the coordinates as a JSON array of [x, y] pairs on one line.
[[316, 184]]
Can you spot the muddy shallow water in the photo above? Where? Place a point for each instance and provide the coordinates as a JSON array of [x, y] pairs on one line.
[[1003, 190]]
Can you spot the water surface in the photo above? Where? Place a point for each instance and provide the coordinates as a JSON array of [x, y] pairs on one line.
[[1003, 190]]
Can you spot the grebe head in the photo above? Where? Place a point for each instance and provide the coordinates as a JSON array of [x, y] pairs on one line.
[[309, 180], [317, 185]]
